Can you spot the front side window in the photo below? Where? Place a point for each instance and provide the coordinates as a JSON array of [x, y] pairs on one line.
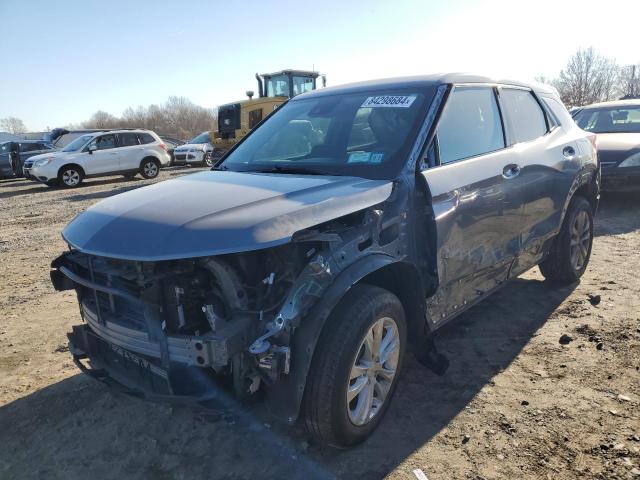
[[104, 142], [278, 86], [470, 124], [524, 113], [128, 139], [364, 134], [5, 147], [622, 119]]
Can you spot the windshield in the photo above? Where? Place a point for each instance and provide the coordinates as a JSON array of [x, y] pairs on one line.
[[364, 134], [278, 86], [202, 138], [77, 144], [622, 119]]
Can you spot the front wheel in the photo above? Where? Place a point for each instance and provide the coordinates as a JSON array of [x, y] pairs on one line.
[[70, 177], [571, 250], [355, 367], [207, 159], [150, 168]]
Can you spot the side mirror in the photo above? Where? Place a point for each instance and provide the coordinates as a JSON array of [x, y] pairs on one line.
[[92, 148]]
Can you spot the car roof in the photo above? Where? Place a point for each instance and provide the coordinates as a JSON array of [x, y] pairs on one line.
[[422, 81], [615, 103]]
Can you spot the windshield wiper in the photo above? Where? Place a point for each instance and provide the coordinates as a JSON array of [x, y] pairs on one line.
[[289, 169]]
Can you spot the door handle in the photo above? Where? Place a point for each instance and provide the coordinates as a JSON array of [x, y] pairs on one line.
[[511, 171], [569, 152]]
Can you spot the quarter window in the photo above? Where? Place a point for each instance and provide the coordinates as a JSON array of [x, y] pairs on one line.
[[146, 138], [526, 118], [470, 124]]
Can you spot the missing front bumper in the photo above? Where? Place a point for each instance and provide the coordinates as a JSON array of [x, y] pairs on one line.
[[136, 375]]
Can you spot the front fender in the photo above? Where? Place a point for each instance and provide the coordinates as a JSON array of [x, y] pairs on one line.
[[285, 397]]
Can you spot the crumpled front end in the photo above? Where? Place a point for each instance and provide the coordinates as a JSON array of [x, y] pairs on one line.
[[183, 328], [175, 327]]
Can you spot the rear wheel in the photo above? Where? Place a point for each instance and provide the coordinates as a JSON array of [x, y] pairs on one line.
[[571, 250], [150, 168], [355, 367], [70, 176]]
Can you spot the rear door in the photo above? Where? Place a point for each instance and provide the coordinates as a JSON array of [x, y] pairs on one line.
[[105, 158], [547, 158], [474, 196], [129, 150]]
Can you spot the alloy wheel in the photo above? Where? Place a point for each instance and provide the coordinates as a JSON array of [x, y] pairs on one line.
[[373, 371], [580, 240], [150, 169], [71, 178]]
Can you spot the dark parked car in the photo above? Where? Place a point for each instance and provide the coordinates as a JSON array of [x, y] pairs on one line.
[[617, 125], [343, 231], [13, 155]]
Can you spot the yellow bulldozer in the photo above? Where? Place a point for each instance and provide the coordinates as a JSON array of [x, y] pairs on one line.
[[235, 120]]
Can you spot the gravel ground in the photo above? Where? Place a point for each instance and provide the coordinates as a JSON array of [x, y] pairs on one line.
[[515, 402]]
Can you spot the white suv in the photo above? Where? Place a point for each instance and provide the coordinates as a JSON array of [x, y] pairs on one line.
[[98, 154]]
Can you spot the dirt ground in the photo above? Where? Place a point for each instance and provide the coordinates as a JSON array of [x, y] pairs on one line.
[[515, 402]]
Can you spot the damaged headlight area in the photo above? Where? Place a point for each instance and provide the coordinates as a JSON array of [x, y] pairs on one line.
[[183, 327]]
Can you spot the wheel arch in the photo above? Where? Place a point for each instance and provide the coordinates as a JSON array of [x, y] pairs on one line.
[[284, 398]]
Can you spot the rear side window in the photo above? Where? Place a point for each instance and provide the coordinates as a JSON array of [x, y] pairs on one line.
[[146, 138], [524, 114], [128, 139], [470, 124]]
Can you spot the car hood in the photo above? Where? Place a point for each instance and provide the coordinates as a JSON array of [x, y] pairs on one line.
[[54, 154], [187, 146], [215, 212], [616, 147]]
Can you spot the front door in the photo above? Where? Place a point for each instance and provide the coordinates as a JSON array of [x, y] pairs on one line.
[[474, 197], [104, 158]]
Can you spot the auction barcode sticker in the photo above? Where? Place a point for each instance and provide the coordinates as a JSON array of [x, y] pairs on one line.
[[394, 101]]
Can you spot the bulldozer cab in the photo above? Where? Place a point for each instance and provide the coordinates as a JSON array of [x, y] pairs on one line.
[[235, 120], [287, 83]]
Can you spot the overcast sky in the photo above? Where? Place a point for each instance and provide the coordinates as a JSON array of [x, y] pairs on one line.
[[63, 60]]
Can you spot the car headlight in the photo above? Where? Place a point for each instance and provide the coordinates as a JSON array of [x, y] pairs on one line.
[[43, 162], [632, 161]]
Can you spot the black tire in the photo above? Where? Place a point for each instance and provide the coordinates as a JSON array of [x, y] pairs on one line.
[[70, 176], [326, 410], [149, 168], [562, 266]]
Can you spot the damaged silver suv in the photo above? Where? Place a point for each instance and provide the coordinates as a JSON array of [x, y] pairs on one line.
[[346, 228]]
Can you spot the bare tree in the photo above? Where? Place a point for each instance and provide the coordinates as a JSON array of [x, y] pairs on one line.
[[587, 78], [178, 117], [102, 119], [630, 81], [12, 125]]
